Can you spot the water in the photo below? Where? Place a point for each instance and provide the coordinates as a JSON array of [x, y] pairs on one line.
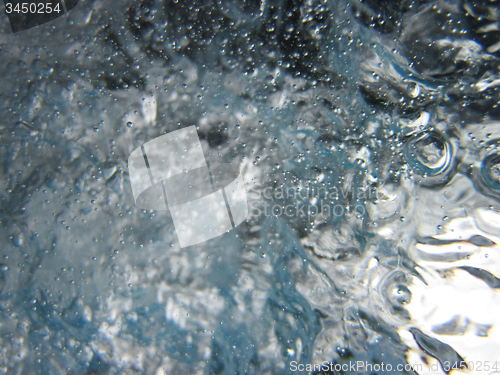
[[368, 137]]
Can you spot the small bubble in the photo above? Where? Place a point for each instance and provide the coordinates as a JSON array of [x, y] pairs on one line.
[[129, 124]]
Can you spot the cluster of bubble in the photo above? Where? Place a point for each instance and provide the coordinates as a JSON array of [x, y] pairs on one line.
[[321, 99]]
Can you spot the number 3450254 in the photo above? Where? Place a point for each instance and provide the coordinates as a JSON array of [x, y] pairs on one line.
[[32, 8]]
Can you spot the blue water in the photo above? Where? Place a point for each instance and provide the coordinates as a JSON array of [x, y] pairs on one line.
[[368, 138]]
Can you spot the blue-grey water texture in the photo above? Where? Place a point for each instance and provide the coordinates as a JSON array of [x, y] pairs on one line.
[[368, 136]]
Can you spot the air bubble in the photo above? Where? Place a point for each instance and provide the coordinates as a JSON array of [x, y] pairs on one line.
[[490, 171], [413, 89]]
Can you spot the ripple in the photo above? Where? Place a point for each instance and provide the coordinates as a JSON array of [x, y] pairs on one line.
[[397, 293], [490, 171], [486, 173], [444, 353], [430, 154]]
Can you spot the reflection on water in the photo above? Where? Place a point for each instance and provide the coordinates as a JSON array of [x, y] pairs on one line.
[[366, 134]]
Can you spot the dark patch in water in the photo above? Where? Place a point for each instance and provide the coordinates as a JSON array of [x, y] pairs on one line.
[[444, 353], [487, 277]]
